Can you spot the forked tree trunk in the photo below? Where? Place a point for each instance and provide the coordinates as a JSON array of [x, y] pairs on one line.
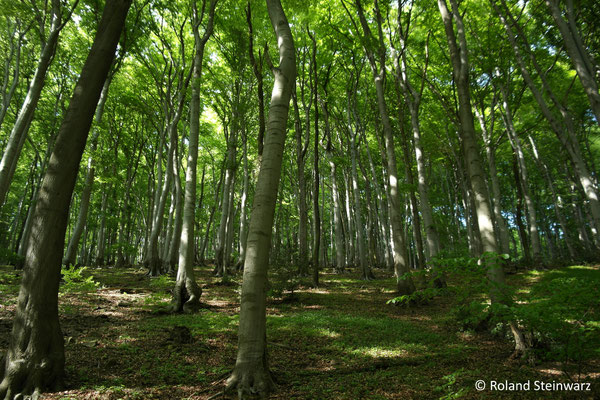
[[35, 358], [187, 292], [251, 373]]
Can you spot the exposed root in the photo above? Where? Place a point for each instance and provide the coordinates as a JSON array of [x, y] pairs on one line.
[[186, 297], [28, 378], [250, 381]]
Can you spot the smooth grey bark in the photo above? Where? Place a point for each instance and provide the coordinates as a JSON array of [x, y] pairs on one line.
[[565, 131], [413, 97], [221, 255], [187, 292], [558, 203], [490, 151], [515, 142], [211, 217], [457, 44], [337, 226], [243, 234], [301, 149], [35, 358], [376, 59], [84, 204], [175, 239], [251, 373], [26, 113], [102, 229], [153, 261], [383, 215], [358, 218], [577, 50], [10, 83], [316, 212], [350, 225]]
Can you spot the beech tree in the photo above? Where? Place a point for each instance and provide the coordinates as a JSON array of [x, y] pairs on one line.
[[35, 358], [251, 373]]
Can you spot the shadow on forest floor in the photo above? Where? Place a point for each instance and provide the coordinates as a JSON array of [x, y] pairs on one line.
[[340, 341]]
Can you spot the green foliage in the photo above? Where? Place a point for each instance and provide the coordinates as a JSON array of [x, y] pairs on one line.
[[423, 296], [75, 281], [164, 282], [11, 258], [283, 279], [448, 389], [561, 314]]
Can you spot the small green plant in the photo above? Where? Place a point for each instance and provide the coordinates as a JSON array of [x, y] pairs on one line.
[[447, 388], [164, 282], [418, 297], [283, 280], [9, 257], [74, 280]]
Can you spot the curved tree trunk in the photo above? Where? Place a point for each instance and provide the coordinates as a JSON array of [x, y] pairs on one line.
[[25, 116], [35, 358], [187, 292], [251, 373], [84, 205], [460, 68], [577, 51]]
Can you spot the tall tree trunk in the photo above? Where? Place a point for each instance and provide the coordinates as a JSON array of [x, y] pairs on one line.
[[187, 292], [581, 59], [35, 358], [515, 142], [251, 373], [558, 206], [152, 256], [302, 207], [405, 284], [490, 151], [243, 204], [25, 116], [84, 205], [460, 68], [316, 213], [565, 132]]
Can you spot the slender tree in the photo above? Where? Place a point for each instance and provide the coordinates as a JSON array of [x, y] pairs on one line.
[[251, 373]]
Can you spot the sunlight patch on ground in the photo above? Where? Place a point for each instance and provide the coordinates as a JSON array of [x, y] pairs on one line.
[[380, 352]]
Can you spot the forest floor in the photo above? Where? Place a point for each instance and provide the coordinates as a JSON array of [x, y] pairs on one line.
[[340, 341]]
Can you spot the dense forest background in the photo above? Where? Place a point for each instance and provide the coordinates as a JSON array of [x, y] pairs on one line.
[[429, 145]]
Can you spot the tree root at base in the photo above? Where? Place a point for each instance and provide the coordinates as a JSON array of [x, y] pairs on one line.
[[250, 382]]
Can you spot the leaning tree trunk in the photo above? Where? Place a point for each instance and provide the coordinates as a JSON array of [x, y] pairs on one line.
[[251, 373], [460, 69], [84, 204], [515, 141], [577, 51], [25, 116], [563, 128], [35, 358]]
